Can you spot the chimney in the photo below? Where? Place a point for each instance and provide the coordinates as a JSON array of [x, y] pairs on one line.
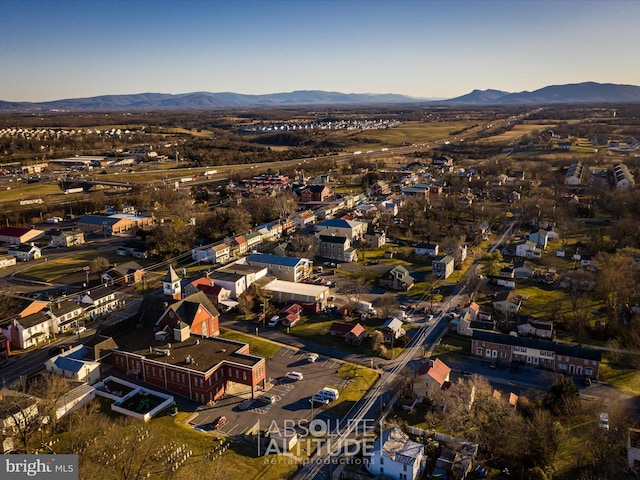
[[58, 305]]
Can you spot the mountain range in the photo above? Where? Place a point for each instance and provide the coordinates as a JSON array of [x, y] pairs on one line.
[[587, 92]]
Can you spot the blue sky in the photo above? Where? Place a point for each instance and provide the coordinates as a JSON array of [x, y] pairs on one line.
[[434, 49]]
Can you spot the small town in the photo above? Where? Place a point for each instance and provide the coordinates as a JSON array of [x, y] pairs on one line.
[[355, 240]]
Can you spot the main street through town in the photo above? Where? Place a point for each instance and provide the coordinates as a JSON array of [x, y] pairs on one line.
[[381, 396]]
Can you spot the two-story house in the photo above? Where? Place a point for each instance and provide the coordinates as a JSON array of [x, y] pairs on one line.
[[67, 238], [395, 456], [336, 247], [397, 278], [99, 301], [291, 269], [352, 229], [443, 266]]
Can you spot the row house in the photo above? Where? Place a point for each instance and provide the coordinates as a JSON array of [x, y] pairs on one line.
[[237, 246], [67, 315], [563, 358], [304, 220], [39, 321], [271, 231], [219, 253], [98, 302], [623, 177], [574, 174], [254, 240]]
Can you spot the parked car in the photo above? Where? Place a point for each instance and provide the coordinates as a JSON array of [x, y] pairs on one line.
[[604, 421], [319, 399], [219, 422], [312, 357], [267, 399], [294, 376], [80, 330], [275, 320]]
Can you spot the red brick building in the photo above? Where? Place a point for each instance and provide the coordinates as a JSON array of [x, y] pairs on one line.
[[198, 368], [314, 193], [176, 349], [559, 357]]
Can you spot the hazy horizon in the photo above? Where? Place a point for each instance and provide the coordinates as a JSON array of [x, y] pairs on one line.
[[425, 49]]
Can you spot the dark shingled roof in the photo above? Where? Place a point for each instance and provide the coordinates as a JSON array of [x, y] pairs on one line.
[[548, 345]]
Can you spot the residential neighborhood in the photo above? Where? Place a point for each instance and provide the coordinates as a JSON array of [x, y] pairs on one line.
[[429, 290]]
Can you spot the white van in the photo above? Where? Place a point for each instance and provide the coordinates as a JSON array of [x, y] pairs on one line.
[[294, 376], [331, 393], [275, 320]]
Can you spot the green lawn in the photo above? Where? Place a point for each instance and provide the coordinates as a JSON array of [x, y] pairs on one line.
[[621, 377], [359, 379], [47, 192], [257, 346], [51, 270], [238, 461]]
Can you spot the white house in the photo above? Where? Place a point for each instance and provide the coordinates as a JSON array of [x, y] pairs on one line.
[[25, 252], [72, 364], [99, 301], [528, 250], [395, 456], [7, 261], [428, 249]]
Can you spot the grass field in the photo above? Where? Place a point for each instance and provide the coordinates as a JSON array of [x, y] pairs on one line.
[[261, 348], [413, 132], [51, 270], [515, 133], [33, 191]]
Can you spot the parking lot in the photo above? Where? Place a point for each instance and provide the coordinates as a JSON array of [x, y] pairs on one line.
[[291, 396]]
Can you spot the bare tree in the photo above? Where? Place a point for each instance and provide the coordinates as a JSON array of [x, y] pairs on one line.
[[245, 305], [387, 304]]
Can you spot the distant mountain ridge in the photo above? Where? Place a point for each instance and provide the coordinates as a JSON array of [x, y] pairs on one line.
[[587, 92], [203, 100]]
